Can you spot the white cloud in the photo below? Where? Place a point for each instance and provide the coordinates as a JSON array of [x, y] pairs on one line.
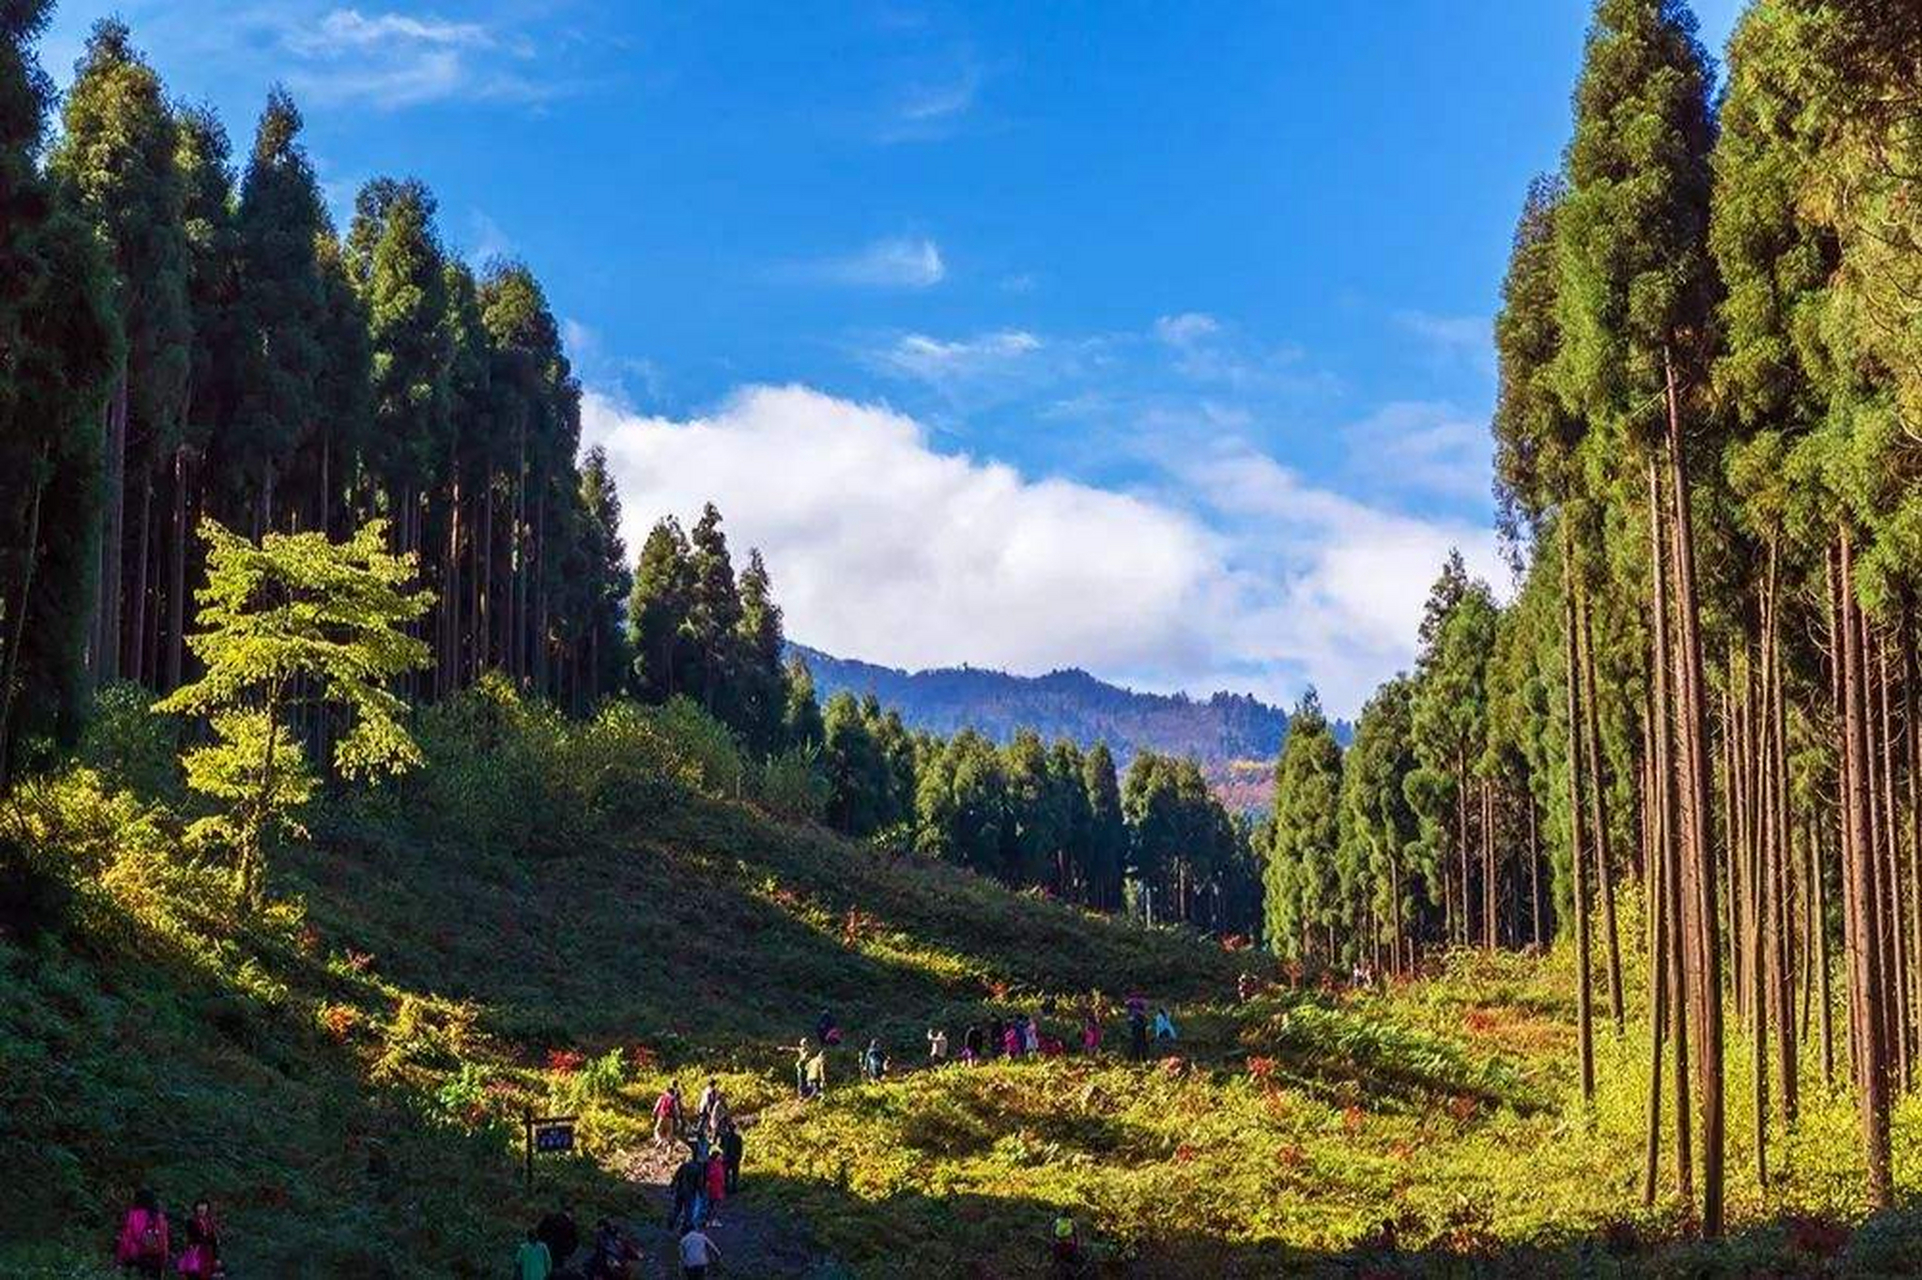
[[393, 60], [935, 360], [485, 239], [1234, 573], [1423, 445], [1467, 340], [897, 262], [348, 29], [1187, 328]]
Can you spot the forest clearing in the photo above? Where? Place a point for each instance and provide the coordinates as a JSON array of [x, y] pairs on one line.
[[366, 809]]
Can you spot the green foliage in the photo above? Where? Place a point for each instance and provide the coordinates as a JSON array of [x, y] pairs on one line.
[[1299, 879], [291, 622]]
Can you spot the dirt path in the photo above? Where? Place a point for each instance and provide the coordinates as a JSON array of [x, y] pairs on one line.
[[753, 1239]]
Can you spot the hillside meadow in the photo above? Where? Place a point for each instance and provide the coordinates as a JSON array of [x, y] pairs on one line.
[[561, 917]]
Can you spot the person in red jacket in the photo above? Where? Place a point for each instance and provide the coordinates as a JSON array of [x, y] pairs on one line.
[[716, 1183], [145, 1246]]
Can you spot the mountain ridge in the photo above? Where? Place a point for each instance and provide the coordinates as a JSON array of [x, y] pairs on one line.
[[1235, 736]]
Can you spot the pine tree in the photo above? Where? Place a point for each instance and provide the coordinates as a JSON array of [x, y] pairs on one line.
[[1300, 880], [658, 612]]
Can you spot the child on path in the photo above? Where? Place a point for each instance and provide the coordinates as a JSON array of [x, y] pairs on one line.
[[145, 1245]]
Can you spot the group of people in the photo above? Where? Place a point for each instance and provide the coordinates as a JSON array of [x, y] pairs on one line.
[[146, 1243], [548, 1252], [1015, 1035], [707, 1177]]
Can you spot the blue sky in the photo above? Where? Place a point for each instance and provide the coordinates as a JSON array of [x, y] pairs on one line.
[[1146, 338]]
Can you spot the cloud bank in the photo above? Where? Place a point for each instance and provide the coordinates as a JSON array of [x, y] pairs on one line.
[[1231, 572]]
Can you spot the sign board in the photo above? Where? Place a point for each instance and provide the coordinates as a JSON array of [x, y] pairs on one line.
[[546, 1135]]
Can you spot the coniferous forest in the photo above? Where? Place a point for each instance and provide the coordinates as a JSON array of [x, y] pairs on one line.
[[363, 796]]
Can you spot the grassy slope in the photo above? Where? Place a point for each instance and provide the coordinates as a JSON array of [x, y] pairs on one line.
[[346, 1081]]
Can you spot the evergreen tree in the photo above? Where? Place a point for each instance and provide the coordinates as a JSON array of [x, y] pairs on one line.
[[60, 341], [658, 612], [758, 645], [115, 166], [1107, 828], [713, 615], [1299, 896]]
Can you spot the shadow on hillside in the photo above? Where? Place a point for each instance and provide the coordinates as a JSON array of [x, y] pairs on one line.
[[977, 1237], [717, 931], [131, 1062]]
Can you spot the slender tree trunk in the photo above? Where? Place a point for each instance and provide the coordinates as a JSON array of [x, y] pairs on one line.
[[1534, 873], [1677, 901], [18, 618], [1598, 810], [1708, 1062], [1584, 1013], [177, 575], [137, 627], [113, 537], [1865, 960]]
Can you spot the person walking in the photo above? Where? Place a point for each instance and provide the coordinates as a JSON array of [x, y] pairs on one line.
[[685, 1187], [1030, 1035], [1137, 1031], [937, 1046], [201, 1259], [145, 1245], [971, 1043], [532, 1261], [667, 1116], [827, 1029], [731, 1150], [559, 1233], [697, 1254], [711, 1105], [818, 1073], [1164, 1027], [716, 1185], [802, 1053], [1011, 1039], [874, 1062]]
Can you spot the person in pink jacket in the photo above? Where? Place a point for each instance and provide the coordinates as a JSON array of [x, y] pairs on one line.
[[716, 1184], [145, 1246]]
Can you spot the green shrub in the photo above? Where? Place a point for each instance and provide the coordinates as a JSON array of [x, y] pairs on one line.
[[698, 738], [793, 786], [130, 745]]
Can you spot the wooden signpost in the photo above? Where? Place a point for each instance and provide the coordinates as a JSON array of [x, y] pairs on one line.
[[546, 1134]]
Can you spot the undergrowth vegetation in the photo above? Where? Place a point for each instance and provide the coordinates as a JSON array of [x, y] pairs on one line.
[[560, 917]]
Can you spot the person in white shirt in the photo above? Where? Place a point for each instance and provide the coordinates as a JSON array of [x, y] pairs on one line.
[[697, 1254], [937, 1046]]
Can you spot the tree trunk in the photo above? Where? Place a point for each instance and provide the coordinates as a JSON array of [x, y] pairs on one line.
[[11, 672], [1598, 811], [1708, 1061], [1584, 1013], [1865, 960], [136, 638], [1667, 828], [177, 576]]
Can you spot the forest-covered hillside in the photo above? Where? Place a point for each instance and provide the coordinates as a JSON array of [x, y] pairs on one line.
[[1234, 736]]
